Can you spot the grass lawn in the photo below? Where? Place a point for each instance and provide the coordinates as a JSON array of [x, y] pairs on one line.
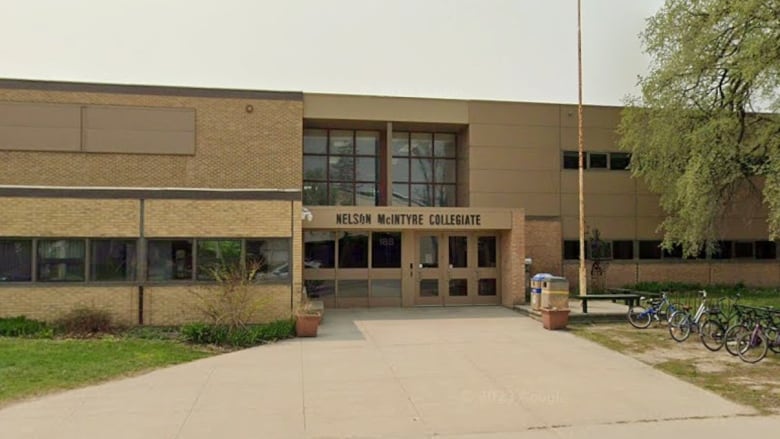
[[756, 385], [686, 293], [30, 367]]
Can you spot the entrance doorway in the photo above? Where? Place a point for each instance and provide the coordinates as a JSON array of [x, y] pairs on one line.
[[456, 268]]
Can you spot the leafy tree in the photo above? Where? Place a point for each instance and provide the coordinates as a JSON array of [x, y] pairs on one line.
[[706, 128]]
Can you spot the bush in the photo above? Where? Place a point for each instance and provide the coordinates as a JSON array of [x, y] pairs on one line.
[[251, 335], [23, 327], [85, 321], [153, 332]]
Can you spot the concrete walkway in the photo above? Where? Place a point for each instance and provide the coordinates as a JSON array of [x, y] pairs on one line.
[[419, 373]]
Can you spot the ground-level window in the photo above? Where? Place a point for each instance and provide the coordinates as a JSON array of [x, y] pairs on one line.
[[622, 250], [170, 259], [61, 260], [353, 250], [15, 260], [113, 260], [385, 250], [269, 258], [650, 250], [766, 250], [217, 255], [571, 249], [319, 249]]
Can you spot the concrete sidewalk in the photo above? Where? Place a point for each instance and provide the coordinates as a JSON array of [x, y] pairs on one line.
[[431, 372]]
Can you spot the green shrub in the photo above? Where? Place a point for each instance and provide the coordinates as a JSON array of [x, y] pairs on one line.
[[21, 326], [251, 335], [85, 321], [153, 332]]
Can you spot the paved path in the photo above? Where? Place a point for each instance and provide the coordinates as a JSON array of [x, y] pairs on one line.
[[419, 373]]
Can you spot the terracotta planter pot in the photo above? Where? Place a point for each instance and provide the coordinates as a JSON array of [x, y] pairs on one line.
[[306, 325], [555, 318]]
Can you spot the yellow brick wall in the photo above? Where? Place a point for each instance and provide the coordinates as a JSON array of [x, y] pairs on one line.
[[512, 261], [219, 218], [175, 305], [543, 245], [49, 303], [234, 149], [42, 217]]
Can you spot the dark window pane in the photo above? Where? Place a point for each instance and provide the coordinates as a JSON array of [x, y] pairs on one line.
[[320, 288], [487, 287], [269, 259], [571, 249], [366, 194], [342, 194], [112, 260], [400, 170], [444, 195], [571, 160], [619, 161], [459, 287], [429, 287], [422, 144], [766, 250], [61, 260], [315, 194], [386, 288], [315, 167], [341, 142], [723, 251], [353, 250], [743, 250], [675, 253], [352, 288], [421, 195], [623, 249], [216, 256], [401, 144], [429, 251], [445, 171], [486, 251], [386, 250], [597, 160], [315, 141], [649, 249], [366, 169], [341, 168], [319, 249], [367, 142], [444, 145], [15, 260], [170, 259], [422, 170], [400, 195], [459, 255]]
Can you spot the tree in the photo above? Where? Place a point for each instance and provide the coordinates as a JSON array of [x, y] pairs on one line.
[[706, 128]]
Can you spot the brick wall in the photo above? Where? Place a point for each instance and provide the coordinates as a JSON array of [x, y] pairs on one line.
[[62, 217], [52, 302], [513, 251], [222, 218], [234, 148], [543, 245]]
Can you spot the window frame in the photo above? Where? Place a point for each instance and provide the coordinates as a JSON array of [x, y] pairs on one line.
[[433, 184]]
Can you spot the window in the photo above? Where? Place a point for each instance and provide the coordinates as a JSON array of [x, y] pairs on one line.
[[424, 169], [723, 251], [270, 258], [216, 255], [15, 260], [340, 167], [619, 161], [597, 160], [599, 250], [623, 249], [571, 249], [675, 253], [486, 251], [766, 250], [571, 160], [169, 260], [649, 249], [61, 260], [319, 249], [743, 250], [386, 250], [353, 250], [113, 260]]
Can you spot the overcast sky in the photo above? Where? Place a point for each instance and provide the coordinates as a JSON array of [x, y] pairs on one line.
[[524, 50]]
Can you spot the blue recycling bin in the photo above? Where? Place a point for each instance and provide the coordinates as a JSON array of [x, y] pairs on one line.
[[536, 289]]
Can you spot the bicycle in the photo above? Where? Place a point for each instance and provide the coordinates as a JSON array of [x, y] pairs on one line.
[[745, 318], [712, 332], [640, 317], [681, 324], [752, 346]]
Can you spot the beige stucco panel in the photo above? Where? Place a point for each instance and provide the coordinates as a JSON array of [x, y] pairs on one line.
[[369, 218], [514, 113], [385, 109], [515, 181], [599, 205], [515, 158], [595, 138], [598, 182], [610, 227], [535, 204], [592, 116], [527, 136]]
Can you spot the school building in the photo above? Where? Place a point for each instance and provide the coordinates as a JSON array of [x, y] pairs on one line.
[[123, 197]]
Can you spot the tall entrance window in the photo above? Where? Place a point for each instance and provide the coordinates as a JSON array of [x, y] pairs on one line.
[[340, 167], [424, 169]]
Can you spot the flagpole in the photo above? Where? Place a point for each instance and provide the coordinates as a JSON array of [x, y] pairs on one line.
[[583, 281]]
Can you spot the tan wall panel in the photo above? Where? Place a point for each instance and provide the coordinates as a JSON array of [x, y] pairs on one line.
[[140, 142], [599, 205], [535, 204], [513, 113], [610, 227], [526, 136], [598, 182], [648, 205], [176, 305], [385, 109], [139, 118], [515, 181], [514, 158], [228, 138], [592, 116], [33, 126], [46, 302], [220, 218], [646, 227], [748, 229], [596, 139], [139, 130], [63, 217]]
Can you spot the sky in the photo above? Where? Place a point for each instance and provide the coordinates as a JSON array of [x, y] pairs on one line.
[[516, 50]]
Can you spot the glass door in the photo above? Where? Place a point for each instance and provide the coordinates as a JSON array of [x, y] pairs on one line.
[[460, 283], [487, 270], [428, 276]]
